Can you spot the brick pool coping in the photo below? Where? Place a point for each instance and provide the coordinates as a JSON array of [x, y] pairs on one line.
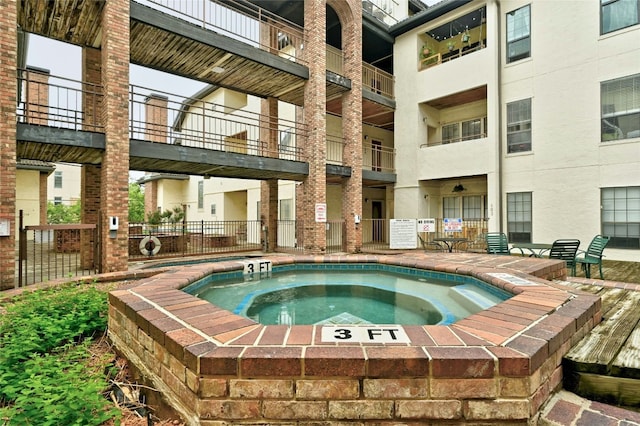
[[499, 364]]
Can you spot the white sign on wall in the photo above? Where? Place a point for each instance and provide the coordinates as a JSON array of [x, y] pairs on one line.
[[403, 234], [426, 225], [321, 212]]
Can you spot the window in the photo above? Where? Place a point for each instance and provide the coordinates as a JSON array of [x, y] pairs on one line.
[[450, 208], [618, 14], [286, 209], [464, 130], [213, 209], [57, 201], [519, 126], [519, 34], [620, 100], [472, 207], [519, 210], [450, 133], [621, 216], [57, 179], [201, 195]]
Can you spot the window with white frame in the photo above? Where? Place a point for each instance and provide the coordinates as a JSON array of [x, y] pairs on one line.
[[620, 102], [450, 207], [519, 214], [618, 14], [472, 207], [213, 209], [450, 133], [57, 201], [464, 130], [57, 179], [286, 207], [621, 216], [519, 34], [201, 195], [519, 126]]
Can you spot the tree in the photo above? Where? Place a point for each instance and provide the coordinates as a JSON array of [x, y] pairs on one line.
[[62, 213], [136, 203]]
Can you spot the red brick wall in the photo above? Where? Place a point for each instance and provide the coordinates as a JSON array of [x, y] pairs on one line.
[[43, 198], [90, 210], [352, 120], [37, 107], [269, 188], [150, 197], [91, 175], [115, 165], [8, 95], [92, 78], [156, 118], [313, 189]]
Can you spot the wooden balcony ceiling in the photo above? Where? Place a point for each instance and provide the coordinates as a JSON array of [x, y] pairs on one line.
[[373, 113], [459, 98], [77, 22], [166, 43]]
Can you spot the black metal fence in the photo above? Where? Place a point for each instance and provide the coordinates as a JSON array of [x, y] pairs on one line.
[[48, 252], [193, 238]]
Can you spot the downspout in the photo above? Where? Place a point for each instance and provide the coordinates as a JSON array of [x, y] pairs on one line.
[[500, 132]]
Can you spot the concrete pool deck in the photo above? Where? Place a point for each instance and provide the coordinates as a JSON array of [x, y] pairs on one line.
[[500, 365]]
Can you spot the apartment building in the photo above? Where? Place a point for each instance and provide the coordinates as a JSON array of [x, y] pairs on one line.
[[521, 115]]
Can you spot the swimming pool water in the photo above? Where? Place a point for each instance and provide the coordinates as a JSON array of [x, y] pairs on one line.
[[348, 297]]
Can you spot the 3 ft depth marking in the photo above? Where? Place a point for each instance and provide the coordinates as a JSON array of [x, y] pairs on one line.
[[363, 334]]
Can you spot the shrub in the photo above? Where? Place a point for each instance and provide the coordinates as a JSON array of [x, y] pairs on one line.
[[45, 374]]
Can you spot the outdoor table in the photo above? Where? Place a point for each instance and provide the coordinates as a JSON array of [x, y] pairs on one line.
[[534, 249], [451, 242]]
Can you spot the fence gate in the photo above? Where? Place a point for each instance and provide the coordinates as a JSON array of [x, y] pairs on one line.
[[48, 252]]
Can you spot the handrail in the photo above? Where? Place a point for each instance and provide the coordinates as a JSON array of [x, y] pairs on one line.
[[201, 124], [242, 20]]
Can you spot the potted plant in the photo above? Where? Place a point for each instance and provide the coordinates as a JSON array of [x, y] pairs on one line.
[[425, 51]]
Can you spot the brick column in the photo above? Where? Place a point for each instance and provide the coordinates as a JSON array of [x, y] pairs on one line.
[[90, 181], [37, 95], [156, 118], [150, 197], [352, 123], [313, 189], [269, 188], [115, 117], [43, 197], [8, 98]]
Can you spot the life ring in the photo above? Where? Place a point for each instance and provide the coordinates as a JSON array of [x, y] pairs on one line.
[[150, 246]]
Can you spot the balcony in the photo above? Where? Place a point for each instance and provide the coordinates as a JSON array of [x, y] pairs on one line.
[[452, 40], [375, 157], [240, 20], [373, 79]]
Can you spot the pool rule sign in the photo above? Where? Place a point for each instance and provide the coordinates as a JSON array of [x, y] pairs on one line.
[[365, 334]]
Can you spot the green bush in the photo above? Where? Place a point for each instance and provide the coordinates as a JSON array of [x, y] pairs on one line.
[[45, 374]]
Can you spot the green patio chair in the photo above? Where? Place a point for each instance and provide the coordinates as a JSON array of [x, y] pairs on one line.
[[497, 243], [565, 250], [593, 255]]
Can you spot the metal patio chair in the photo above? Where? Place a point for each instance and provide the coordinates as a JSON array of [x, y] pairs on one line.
[[565, 250]]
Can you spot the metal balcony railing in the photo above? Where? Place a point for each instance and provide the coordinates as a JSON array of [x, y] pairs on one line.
[[200, 124], [378, 158], [58, 102], [373, 79], [241, 20]]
